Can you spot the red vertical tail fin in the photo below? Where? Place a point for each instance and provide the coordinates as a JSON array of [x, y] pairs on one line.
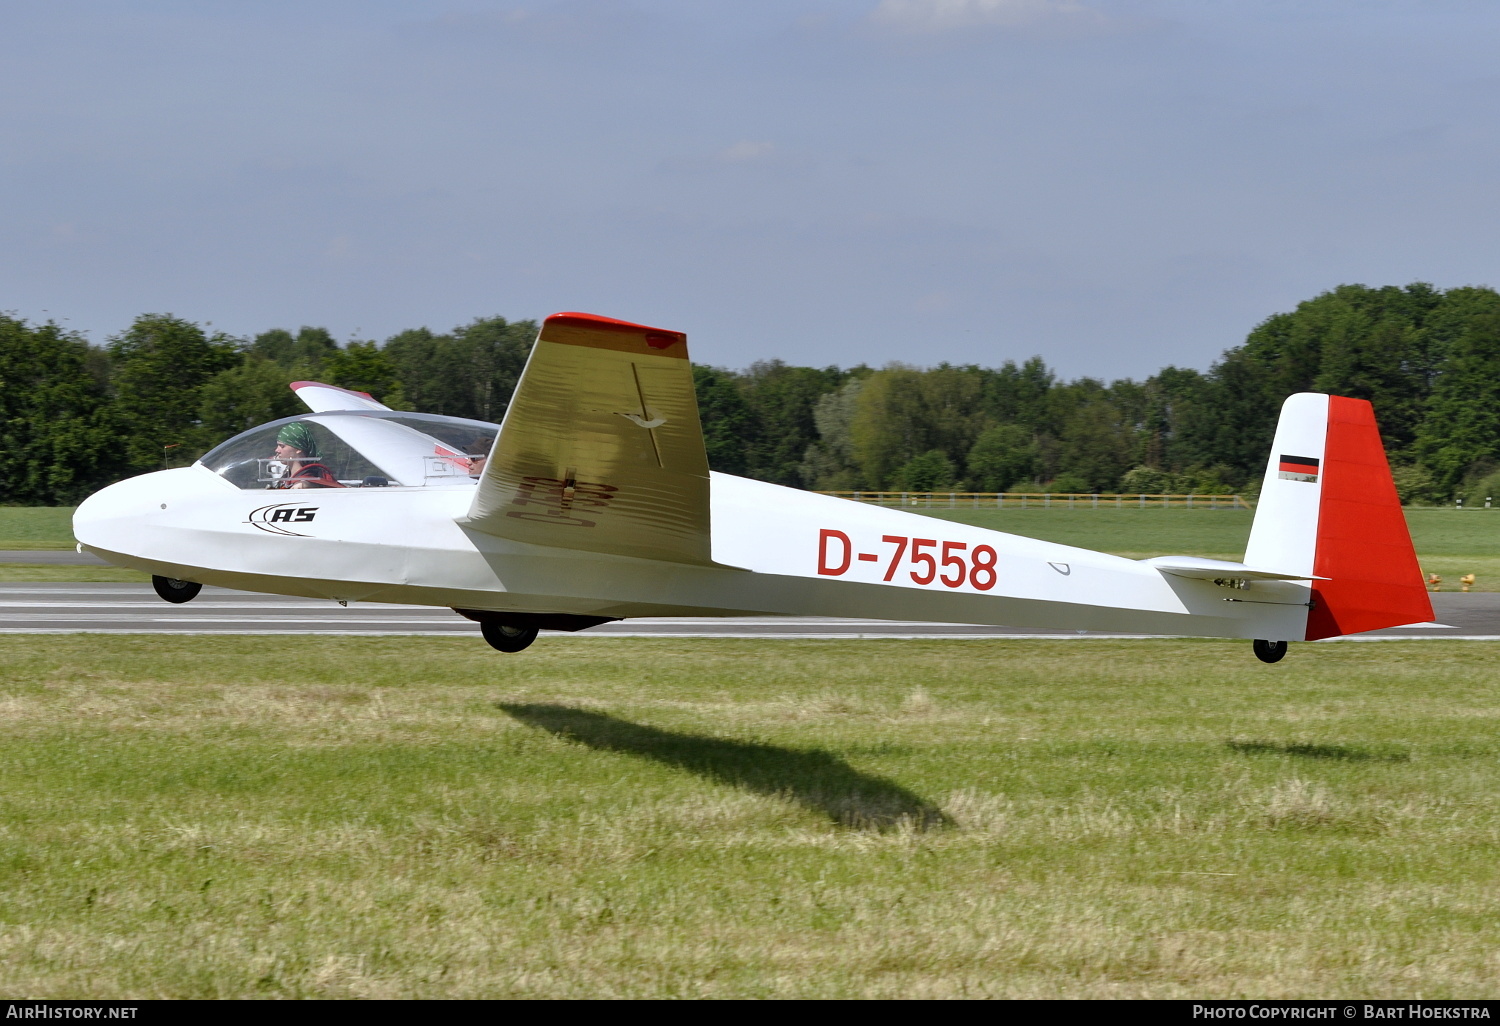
[[1363, 545]]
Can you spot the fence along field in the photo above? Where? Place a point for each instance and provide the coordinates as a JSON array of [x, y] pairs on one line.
[[1045, 500]]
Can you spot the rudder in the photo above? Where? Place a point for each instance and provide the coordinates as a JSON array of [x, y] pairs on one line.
[[1364, 547]]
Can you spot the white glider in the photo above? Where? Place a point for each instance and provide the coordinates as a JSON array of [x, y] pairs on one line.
[[593, 501]]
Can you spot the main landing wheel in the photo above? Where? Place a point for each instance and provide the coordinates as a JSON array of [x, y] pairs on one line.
[[1269, 651], [173, 590], [505, 637]]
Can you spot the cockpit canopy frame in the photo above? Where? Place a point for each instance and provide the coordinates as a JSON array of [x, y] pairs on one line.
[[357, 449]]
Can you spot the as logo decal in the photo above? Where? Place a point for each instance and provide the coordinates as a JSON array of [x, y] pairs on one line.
[[274, 519]]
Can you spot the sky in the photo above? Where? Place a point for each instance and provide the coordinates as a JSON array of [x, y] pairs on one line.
[[1116, 185]]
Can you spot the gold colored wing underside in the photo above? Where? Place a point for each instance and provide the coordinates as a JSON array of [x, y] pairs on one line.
[[601, 448]]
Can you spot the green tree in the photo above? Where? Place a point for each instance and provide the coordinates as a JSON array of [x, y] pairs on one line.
[[884, 432], [1374, 347], [161, 364], [363, 367], [470, 372], [1425, 357], [302, 353], [498, 352], [728, 423], [829, 463], [782, 400], [1021, 395], [58, 441], [1069, 482], [1462, 428], [928, 472], [1096, 446], [243, 397], [1147, 481], [902, 412], [1181, 419], [1003, 455], [1387, 345], [1414, 484]]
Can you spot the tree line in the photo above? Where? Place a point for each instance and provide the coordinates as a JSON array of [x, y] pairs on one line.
[[75, 416]]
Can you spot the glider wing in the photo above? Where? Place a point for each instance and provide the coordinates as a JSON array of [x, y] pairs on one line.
[[601, 448], [321, 398]]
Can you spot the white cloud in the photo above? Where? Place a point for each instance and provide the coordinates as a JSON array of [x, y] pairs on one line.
[[933, 16]]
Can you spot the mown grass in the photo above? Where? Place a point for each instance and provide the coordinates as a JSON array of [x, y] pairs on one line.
[[1453, 542], [36, 527], [237, 816], [13, 573]]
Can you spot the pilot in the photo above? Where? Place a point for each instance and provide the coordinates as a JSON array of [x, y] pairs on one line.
[[298, 450], [479, 453]]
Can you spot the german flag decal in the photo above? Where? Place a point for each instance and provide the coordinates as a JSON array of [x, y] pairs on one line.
[[1299, 468]]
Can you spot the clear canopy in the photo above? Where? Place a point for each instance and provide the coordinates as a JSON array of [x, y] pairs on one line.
[[356, 449]]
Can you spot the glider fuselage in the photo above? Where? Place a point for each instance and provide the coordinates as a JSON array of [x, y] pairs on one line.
[[779, 551]]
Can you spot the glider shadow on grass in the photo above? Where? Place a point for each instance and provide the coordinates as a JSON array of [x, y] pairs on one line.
[[1340, 753], [814, 779]]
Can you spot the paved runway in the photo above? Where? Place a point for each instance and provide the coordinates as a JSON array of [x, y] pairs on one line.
[[135, 609]]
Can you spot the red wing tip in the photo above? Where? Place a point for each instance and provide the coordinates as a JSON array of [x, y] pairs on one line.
[[322, 384], [588, 320]]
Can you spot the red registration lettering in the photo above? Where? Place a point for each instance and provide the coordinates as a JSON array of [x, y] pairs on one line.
[[918, 556], [950, 560], [900, 544], [983, 575], [824, 566], [961, 565]]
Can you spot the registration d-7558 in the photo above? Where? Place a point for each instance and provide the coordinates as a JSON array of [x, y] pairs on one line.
[[926, 560]]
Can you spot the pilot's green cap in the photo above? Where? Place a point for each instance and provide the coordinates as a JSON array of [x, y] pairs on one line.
[[299, 436]]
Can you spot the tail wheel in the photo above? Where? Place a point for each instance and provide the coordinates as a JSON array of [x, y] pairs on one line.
[[173, 590], [1269, 651], [505, 637]]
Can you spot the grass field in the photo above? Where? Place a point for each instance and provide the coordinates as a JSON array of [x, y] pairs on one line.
[[240, 816], [36, 527], [13, 573]]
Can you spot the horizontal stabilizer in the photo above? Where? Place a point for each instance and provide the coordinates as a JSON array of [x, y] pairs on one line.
[[1219, 569]]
